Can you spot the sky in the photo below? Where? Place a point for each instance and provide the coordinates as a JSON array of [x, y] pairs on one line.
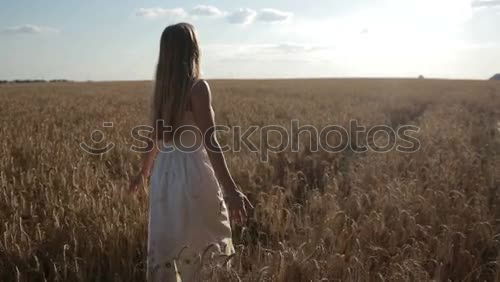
[[119, 40]]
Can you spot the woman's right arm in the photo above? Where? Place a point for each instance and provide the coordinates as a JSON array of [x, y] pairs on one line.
[[204, 118]]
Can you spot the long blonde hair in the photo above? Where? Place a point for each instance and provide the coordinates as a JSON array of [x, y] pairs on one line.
[[178, 68]]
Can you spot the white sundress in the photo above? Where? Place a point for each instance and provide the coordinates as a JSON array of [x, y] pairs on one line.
[[188, 217]]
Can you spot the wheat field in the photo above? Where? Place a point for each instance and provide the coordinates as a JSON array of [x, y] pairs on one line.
[[429, 215]]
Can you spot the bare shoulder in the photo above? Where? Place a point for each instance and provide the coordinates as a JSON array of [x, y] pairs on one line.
[[201, 98], [201, 90]]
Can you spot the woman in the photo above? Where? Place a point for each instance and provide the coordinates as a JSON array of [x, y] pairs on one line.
[[187, 209]]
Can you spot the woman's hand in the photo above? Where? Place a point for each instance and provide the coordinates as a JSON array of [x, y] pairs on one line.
[[238, 205]]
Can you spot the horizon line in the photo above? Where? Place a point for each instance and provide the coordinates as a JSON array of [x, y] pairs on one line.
[[62, 80]]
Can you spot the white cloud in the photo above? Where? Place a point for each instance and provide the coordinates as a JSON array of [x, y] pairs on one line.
[[273, 15], [290, 47], [28, 29], [152, 13], [241, 16], [301, 51], [205, 10], [485, 3]]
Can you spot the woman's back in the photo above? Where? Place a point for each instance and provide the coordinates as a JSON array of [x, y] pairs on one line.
[[187, 136]]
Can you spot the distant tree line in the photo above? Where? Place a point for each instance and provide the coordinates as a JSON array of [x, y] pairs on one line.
[[33, 81]]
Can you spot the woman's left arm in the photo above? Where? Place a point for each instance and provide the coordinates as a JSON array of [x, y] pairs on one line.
[[147, 165]]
